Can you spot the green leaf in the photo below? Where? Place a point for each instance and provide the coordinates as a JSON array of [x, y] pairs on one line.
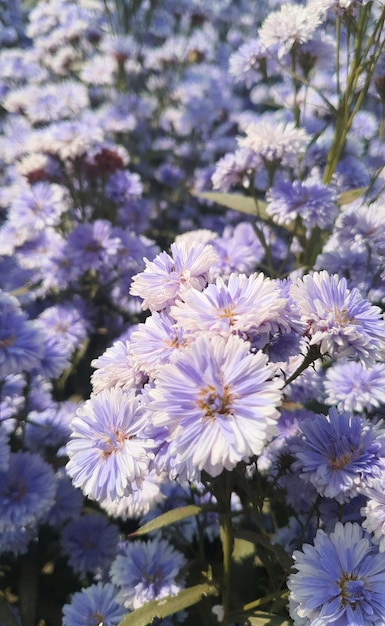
[[6, 616], [168, 606], [243, 549], [261, 618], [171, 517], [346, 197], [234, 201]]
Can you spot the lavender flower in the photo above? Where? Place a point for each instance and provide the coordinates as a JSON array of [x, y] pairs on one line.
[[245, 304], [218, 401], [274, 143], [90, 544], [338, 453], [27, 491], [145, 571], [374, 510], [353, 388], [94, 605], [21, 343], [339, 580], [309, 200], [108, 451], [292, 24], [167, 276], [91, 245], [339, 320]]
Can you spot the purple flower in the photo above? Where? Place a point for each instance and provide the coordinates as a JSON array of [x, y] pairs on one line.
[[94, 605], [167, 277], [91, 245], [234, 169], [355, 388], [66, 321], [27, 491], [49, 428], [108, 451], [338, 453], [90, 544], [243, 304], [68, 502], [340, 580], [274, 143], [339, 320], [292, 24], [116, 368], [239, 250], [21, 343], [309, 200], [155, 341], [39, 206], [122, 185], [218, 401], [374, 510], [146, 571]]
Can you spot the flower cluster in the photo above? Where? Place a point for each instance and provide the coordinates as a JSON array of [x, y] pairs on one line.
[[192, 331]]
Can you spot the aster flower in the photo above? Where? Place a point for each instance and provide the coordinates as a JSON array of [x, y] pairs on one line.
[[66, 321], [49, 428], [27, 491], [39, 206], [146, 571], [108, 451], [338, 453], [153, 343], [116, 368], [218, 401], [94, 605], [339, 580], [16, 540], [292, 24], [167, 277], [21, 343], [339, 320], [274, 143], [239, 250], [68, 502], [245, 304], [91, 245], [310, 200], [90, 543], [374, 510], [140, 501], [234, 169], [355, 388]]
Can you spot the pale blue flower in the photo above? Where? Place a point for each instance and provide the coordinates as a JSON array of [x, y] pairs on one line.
[[339, 580]]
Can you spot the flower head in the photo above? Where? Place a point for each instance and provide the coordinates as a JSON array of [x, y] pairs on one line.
[[27, 491], [92, 606], [292, 24], [146, 571], [218, 401], [90, 543], [165, 278], [339, 320], [338, 453], [355, 388], [107, 450], [275, 143], [339, 580]]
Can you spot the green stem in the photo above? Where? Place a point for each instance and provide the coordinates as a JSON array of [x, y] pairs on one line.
[[227, 539], [311, 357], [28, 584]]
